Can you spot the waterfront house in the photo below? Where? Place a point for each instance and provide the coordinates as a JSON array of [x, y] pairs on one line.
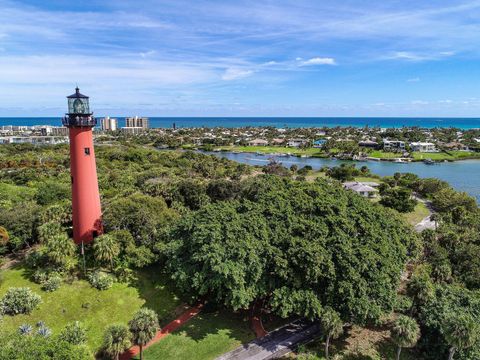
[[368, 144], [258, 142], [393, 145], [455, 145], [319, 143], [278, 141], [297, 142], [423, 147], [362, 189]]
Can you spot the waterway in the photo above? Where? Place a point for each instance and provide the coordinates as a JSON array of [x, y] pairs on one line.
[[462, 175]]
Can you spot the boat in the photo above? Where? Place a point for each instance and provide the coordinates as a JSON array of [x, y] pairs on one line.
[[428, 162], [399, 160]]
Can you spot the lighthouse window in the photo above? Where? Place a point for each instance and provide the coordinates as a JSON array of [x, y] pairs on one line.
[[87, 151]]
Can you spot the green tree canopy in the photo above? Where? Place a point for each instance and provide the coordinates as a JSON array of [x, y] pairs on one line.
[[145, 217], [300, 246]]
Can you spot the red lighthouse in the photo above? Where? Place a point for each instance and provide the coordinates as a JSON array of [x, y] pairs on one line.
[[87, 214]]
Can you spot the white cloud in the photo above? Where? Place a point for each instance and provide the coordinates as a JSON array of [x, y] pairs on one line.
[[236, 74], [148, 53], [419, 102], [405, 55], [412, 56], [318, 61], [412, 80]]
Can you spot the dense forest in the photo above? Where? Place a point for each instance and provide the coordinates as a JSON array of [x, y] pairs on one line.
[[236, 235]]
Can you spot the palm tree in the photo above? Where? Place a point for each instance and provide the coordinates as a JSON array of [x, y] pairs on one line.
[[461, 332], [143, 327], [106, 249], [405, 333], [116, 340], [59, 249], [331, 325]]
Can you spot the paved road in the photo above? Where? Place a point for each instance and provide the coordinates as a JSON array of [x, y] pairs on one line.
[[426, 222], [276, 344]]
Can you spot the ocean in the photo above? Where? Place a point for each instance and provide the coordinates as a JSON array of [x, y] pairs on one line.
[[279, 122]]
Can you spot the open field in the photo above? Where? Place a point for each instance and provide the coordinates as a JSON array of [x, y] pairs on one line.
[[368, 179], [418, 156], [96, 309], [450, 156], [379, 154], [203, 338]]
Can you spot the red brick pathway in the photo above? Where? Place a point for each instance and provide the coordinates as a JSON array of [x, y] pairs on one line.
[[170, 327]]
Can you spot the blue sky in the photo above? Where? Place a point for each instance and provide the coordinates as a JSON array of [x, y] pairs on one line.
[[242, 58]]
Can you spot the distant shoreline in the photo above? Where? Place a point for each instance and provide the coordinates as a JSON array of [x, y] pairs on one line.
[[277, 122]]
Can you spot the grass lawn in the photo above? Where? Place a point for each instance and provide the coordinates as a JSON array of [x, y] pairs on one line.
[[272, 150], [368, 179], [418, 214], [96, 309], [451, 155], [312, 175], [206, 336], [379, 154]]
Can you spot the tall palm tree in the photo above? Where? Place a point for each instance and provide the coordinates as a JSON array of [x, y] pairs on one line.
[[405, 333], [143, 327], [332, 326], [116, 340], [461, 332], [106, 249]]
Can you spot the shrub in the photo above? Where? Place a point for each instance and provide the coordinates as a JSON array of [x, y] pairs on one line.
[[44, 331], [34, 260], [124, 274], [40, 276], [74, 333], [100, 280], [52, 283], [19, 301], [25, 329], [17, 347]]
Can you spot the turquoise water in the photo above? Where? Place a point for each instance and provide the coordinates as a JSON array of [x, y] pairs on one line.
[[293, 122], [462, 175]]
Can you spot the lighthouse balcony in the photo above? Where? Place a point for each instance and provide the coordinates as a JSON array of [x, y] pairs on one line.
[[79, 121]]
